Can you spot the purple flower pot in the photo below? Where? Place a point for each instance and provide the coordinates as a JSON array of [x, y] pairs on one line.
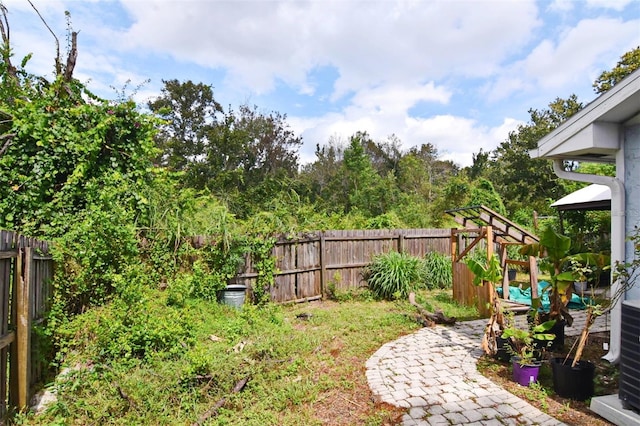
[[524, 374]]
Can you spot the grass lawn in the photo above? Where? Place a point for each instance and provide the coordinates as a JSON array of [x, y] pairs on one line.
[[303, 364]]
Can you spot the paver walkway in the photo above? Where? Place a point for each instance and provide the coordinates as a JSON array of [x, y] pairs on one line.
[[432, 373]]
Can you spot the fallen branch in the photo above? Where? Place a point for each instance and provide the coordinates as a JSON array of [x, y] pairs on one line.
[[213, 411], [429, 319]]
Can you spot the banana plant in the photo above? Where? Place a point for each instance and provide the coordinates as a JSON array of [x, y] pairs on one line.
[[489, 270], [554, 250]]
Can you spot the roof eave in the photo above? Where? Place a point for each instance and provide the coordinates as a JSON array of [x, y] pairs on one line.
[[592, 133]]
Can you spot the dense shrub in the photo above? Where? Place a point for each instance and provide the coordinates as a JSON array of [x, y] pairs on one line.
[[100, 244], [123, 329]]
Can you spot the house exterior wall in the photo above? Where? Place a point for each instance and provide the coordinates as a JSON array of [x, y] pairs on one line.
[[632, 193]]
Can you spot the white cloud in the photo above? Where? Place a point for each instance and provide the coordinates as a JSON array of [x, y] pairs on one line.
[[609, 4], [456, 138], [397, 99], [382, 42], [561, 6], [573, 60]]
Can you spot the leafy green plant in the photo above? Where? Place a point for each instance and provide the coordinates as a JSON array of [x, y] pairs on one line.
[[290, 362], [122, 330], [523, 341], [563, 268], [437, 270], [265, 265], [392, 275], [485, 270]]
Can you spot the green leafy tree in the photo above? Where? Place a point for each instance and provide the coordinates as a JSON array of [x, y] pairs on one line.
[[421, 172], [519, 179], [483, 193], [455, 194], [265, 150], [385, 155], [322, 180], [628, 63], [367, 191], [272, 147], [480, 162], [189, 112], [60, 145], [72, 169]]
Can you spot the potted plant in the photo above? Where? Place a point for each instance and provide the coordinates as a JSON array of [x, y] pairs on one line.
[[582, 273], [513, 253], [572, 376], [554, 252], [525, 347]]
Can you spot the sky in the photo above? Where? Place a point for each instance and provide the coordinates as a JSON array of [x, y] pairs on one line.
[[459, 74]]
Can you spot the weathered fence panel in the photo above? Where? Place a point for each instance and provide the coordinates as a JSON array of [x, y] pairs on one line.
[[26, 269], [306, 265], [7, 336]]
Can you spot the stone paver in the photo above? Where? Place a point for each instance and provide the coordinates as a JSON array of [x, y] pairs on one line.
[[432, 373]]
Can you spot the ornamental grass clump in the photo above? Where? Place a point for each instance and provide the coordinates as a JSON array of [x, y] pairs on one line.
[[437, 270], [393, 275]]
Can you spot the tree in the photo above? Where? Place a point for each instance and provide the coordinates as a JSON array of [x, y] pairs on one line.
[[628, 63], [260, 151], [367, 191], [480, 161], [384, 156], [322, 179], [189, 112], [519, 179], [62, 146], [272, 147], [483, 193], [423, 173]]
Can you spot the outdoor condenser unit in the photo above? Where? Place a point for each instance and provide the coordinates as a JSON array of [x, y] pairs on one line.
[[629, 389]]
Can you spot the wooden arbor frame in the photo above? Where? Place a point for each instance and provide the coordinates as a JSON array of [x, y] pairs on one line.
[[498, 233]]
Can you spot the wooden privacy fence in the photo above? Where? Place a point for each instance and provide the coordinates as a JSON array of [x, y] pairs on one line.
[[308, 264], [26, 269]]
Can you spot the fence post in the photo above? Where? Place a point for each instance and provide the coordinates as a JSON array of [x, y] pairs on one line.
[[23, 327], [400, 242], [323, 264]]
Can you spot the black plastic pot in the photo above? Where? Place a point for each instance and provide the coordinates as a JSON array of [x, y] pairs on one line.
[[504, 353], [512, 274], [572, 382], [557, 344]]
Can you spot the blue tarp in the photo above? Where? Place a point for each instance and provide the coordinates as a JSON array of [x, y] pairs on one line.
[[524, 296]]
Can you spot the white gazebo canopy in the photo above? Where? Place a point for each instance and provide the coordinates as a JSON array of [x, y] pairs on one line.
[[592, 197]]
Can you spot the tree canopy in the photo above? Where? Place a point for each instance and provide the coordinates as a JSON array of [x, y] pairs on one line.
[[628, 63]]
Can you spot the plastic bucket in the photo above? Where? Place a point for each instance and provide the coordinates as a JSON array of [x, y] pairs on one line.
[[233, 295]]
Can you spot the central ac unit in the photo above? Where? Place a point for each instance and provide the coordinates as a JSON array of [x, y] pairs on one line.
[[629, 390]]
